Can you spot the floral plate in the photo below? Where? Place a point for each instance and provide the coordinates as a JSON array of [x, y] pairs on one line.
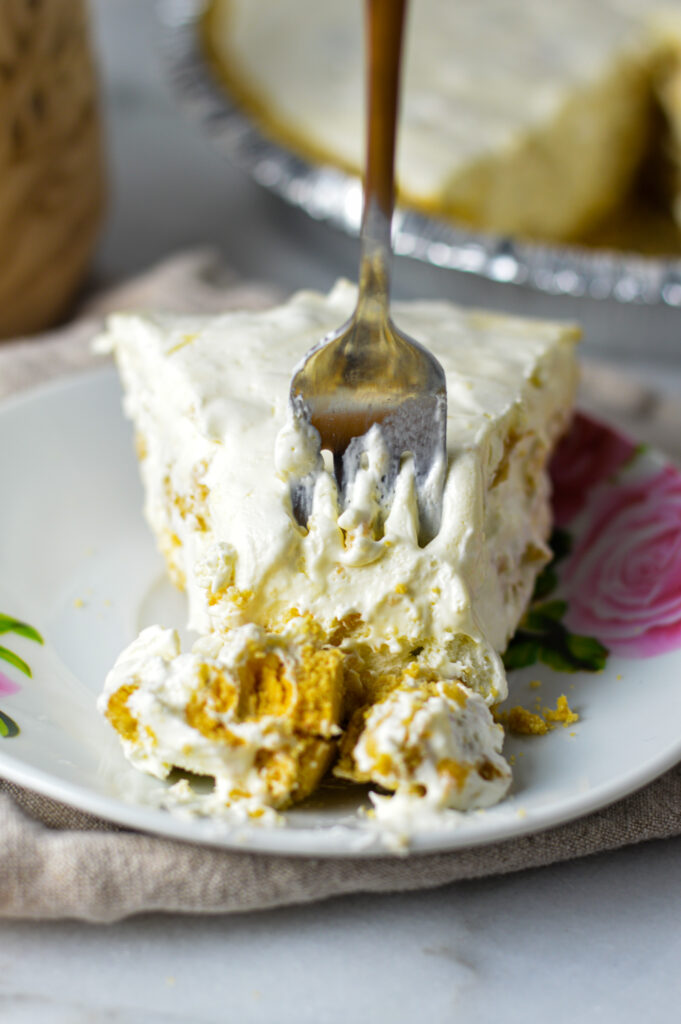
[[80, 576]]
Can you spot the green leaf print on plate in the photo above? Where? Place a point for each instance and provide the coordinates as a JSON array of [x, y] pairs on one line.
[[542, 635], [8, 624], [15, 660], [8, 727]]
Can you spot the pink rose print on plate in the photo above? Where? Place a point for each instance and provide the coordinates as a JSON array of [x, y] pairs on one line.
[[7, 685], [588, 455], [624, 577]]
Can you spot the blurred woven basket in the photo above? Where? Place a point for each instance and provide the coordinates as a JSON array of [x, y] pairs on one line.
[[51, 165]]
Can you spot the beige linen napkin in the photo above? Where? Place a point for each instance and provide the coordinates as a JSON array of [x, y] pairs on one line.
[[59, 862]]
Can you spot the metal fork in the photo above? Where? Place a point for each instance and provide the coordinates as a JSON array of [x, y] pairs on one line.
[[368, 372]]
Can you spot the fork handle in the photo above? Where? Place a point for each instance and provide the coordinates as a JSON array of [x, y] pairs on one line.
[[384, 29]]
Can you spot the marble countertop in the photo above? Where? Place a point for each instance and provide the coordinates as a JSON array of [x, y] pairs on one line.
[[592, 940], [595, 940]]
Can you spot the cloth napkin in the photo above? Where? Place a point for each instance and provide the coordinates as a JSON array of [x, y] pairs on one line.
[[59, 862]]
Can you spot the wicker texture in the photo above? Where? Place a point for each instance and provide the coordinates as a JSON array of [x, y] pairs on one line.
[[51, 167]]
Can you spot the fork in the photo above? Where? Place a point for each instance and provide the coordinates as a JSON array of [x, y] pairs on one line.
[[368, 376]]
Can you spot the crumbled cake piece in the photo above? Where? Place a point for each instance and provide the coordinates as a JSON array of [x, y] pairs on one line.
[[258, 713], [435, 742], [523, 722], [563, 714]]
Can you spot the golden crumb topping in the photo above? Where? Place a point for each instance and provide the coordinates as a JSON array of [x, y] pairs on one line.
[[455, 770], [215, 696], [292, 774], [305, 687], [563, 714], [321, 691], [522, 722], [266, 687], [119, 714]]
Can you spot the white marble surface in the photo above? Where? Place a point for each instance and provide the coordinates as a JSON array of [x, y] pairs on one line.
[[585, 942], [594, 940]]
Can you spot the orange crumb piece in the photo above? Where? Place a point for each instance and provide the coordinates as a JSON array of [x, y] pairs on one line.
[[563, 713], [456, 771], [524, 722], [119, 713]]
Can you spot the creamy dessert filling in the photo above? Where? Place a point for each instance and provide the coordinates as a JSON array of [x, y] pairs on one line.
[[392, 628]]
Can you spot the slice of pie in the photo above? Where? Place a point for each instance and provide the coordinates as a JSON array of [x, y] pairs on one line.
[[383, 615]]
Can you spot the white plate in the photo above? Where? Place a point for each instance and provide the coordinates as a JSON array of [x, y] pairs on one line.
[[78, 563]]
